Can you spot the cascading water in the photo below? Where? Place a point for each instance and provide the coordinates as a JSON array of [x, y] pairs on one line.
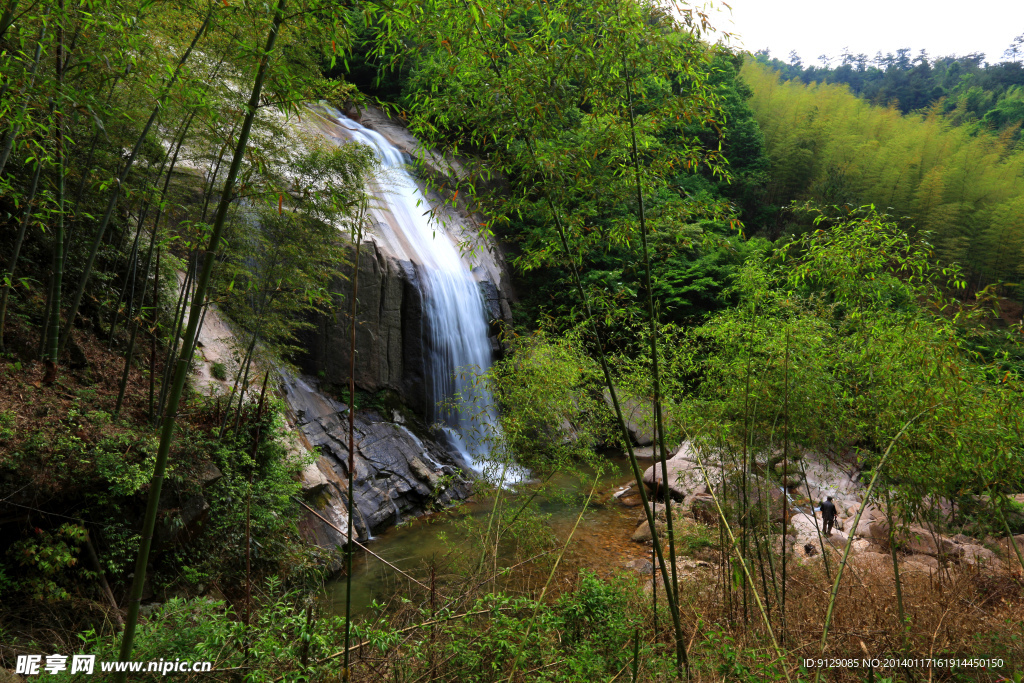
[[457, 344]]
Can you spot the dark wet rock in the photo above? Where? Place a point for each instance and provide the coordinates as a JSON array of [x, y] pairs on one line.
[[397, 474], [389, 339], [390, 330], [209, 474], [631, 500]]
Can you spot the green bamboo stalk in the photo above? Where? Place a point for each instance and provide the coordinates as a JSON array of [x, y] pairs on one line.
[[152, 336], [16, 127], [52, 353], [7, 19], [120, 180], [346, 671], [180, 309], [652, 321], [785, 490], [8, 281], [896, 569], [138, 322], [179, 138], [167, 430]]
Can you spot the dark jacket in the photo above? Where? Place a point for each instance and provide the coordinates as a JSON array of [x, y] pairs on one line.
[[828, 510]]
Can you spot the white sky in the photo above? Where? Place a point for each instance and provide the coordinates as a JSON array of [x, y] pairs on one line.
[[814, 27]]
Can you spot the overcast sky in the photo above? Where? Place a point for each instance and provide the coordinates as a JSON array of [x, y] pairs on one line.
[[815, 27]]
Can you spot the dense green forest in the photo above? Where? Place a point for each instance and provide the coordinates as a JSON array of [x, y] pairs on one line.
[[788, 270], [983, 95], [963, 190]]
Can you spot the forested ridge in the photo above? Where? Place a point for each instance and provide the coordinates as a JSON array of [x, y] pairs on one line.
[[753, 284], [984, 95], [962, 189]]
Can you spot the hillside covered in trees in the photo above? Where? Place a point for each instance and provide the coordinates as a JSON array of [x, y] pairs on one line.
[[743, 286], [984, 95]]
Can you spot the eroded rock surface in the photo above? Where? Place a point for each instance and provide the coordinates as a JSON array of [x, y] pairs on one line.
[[396, 473]]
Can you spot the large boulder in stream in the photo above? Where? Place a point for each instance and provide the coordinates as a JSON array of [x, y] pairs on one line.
[[685, 478], [397, 474]]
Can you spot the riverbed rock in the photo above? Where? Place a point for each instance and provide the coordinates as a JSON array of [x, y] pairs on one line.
[[702, 508], [916, 540], [809, 529], [916, 565], [926, 560], [974, 554], [638, 415], [640, 566], [643, 532], [397, 474], [685, 477]]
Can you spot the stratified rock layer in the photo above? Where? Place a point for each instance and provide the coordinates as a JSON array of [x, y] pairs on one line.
[[396, 474]]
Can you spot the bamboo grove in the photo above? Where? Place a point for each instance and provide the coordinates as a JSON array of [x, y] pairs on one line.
[[964, 191]]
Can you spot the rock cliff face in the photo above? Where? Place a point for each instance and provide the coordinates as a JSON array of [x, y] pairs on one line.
[[390, 329]]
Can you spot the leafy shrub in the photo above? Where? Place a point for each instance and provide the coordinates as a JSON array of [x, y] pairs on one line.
[[45, 558], [219, 371], [8, 422]]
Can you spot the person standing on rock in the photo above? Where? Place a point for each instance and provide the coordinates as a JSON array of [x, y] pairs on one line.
[[828, 515]]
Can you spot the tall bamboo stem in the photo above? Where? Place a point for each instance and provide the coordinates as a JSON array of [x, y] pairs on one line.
[[167, 429]]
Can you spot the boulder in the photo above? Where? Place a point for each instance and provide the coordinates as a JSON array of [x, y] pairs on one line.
[[397, 474], [643, 532], [688, 566], [313, 480], [703, 509], [631, 500], [911, 567], [678, 512], [685, 477], [641, 566], [209, 473], [638, 415], [916, 540], [925, 560], [974, 555], [861, 545]]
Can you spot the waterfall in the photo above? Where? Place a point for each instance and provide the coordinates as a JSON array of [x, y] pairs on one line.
[[457, 345]]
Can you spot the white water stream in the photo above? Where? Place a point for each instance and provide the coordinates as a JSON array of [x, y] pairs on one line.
[[457, 345]]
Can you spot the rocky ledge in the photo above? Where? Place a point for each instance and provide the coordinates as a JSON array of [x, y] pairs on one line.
[[397, 474]]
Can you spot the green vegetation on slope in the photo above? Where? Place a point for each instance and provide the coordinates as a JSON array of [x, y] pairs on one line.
[[983, 96], [962, 191]]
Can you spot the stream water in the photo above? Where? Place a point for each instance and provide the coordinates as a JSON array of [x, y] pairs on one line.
[[601, 542]]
